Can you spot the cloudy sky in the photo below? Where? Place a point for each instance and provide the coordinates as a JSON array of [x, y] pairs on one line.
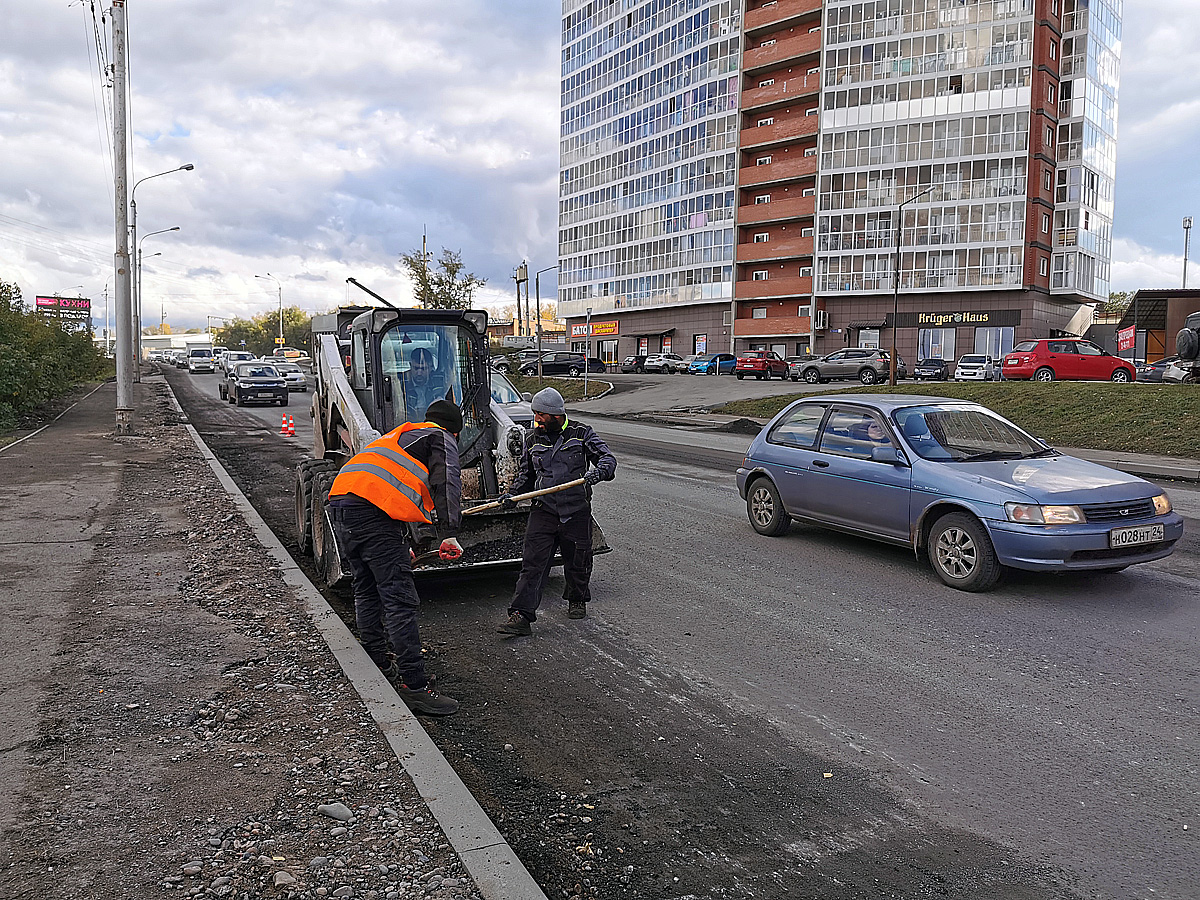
[[327, 135]]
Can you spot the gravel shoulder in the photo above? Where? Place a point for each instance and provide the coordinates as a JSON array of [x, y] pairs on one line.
[[172, 721]]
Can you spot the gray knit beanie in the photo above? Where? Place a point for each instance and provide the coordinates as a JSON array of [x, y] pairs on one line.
[[550, 402]]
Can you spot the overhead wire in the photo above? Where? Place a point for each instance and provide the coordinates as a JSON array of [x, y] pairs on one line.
[[96, 37]]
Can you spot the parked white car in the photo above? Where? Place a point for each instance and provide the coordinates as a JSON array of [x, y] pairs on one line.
[[975, 367], [668, 363]]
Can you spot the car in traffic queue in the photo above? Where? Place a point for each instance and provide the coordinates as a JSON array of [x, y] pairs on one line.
[[1152, 372], [713, 364], [230, 358], [291, 353], [516, 405], [664, 363], [200, 361], [254, 382], [954, 481], [976, 367], [292, 374], [1052, 359], [932, 369], [762, 364], [865, 364], [796, 364], [685, 365], [562, 362]]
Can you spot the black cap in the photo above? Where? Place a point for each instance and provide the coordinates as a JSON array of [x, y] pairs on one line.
[[446, 414]]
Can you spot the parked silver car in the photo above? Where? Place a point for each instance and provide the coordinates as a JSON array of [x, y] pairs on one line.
[[861, 363]]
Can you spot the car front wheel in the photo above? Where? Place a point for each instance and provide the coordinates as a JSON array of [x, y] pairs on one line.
[[765, 509], [812, 376], [1122, 376], [961, 553], [1045, 373], [573, 372]]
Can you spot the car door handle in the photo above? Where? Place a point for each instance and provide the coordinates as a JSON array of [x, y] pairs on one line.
[[820, 464]]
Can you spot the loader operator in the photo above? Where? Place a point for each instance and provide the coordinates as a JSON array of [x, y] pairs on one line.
[[556, 451], [410, 474]]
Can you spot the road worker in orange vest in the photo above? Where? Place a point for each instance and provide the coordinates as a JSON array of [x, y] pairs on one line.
[[410, 475]]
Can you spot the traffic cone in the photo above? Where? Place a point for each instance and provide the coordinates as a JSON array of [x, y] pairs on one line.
[[283, 426], [291, 429]]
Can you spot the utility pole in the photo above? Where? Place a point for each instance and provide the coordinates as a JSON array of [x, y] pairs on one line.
[[1187, 237], [522, 274], [125, 362]]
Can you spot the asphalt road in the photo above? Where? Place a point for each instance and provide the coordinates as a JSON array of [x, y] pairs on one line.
[[811, 715]]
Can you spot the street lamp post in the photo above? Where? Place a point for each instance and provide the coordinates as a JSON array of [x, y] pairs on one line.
[[520, 275], [137, 299], [537, 296], [896, 278], [137, 289], [279, 341], [1187, 237]]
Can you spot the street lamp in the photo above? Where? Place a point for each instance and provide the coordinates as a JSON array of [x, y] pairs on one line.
[[1187, 237], [537, 294], [137, 300], [137, 282], [896, 278], [279, 340], [520, 275]]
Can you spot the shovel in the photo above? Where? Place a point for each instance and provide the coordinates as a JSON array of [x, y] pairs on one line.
[[496, 504]]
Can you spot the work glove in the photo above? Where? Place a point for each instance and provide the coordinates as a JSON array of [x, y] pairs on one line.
[[506, 501], [593, 477], [450, 549]]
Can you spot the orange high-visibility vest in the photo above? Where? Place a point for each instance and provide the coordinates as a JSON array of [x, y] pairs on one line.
[[386, 476]]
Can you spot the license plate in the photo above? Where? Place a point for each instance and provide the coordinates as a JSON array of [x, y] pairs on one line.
[[266, 393], [1135, 534]]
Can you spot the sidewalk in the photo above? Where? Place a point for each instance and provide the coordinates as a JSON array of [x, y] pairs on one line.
[[180, 713], [1144, 464]]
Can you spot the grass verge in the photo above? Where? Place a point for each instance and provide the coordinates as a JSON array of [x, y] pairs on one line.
[[1136, 418], [570, 388]]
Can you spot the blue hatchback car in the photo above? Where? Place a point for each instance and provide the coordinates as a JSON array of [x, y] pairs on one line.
[[953, 480], [713, 364]]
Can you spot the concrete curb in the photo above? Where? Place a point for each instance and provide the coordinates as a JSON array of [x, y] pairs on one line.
[[490, 861]]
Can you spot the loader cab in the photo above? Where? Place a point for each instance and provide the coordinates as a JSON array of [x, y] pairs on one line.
[[400, 362]]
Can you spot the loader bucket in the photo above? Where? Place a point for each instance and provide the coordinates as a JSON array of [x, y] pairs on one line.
[[494, 539]]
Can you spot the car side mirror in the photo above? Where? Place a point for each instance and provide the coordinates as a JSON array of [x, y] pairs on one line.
[[526, 396], [888, 455]]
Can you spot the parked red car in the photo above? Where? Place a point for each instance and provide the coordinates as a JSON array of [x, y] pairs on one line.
[[1067, 358], [761, 364]]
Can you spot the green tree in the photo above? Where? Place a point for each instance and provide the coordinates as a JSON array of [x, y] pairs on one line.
[[259, 332], [38, 359], [445, 287], [1116, 304]]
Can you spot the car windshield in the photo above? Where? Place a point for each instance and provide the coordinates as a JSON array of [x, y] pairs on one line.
[[287, 368], [964, 434], [972, 359], [503, 391], [709, 357], [245, 371]]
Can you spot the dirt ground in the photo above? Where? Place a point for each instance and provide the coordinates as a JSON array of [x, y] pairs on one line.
[[606, 792]]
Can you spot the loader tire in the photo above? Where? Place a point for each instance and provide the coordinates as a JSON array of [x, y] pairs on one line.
[[305, 473], [326, 554]]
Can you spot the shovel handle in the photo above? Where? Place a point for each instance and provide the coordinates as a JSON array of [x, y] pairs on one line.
[[496, 504]]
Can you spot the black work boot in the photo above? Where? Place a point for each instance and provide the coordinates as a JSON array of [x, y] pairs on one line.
[[427, 701], [516, 623], [576, 609]]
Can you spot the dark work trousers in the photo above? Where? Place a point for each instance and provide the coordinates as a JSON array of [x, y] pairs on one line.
[[542, 535], [385, 598]]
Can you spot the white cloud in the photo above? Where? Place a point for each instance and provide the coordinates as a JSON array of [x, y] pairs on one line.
[[1136, 267]]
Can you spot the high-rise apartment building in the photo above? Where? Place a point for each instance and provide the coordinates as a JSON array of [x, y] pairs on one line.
[[977, 134]]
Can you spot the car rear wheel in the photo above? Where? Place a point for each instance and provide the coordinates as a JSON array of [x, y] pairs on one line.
[[740, 376], [961, 553], [1122, 376], [812, 376], [1045, 373], [868, 376], [765, 509]]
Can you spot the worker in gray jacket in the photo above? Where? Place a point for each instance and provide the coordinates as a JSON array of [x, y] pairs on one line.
[[556, 451]]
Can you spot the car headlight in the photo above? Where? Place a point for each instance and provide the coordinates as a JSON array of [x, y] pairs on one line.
[[1032, 514], [1162, 505]]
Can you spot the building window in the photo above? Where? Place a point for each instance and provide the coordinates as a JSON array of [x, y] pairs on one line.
[[769, 120], [1047, 180], [759, 312], [762, 237], [1045, 223], [726, 317], [763, 161], [769, 43], [1054, 49], [1044, 266], [994, 342], [760, 275], [766, 82], [811, 111], [1049, 135], [699, 343], [1050, 93], [936, 343], [805, 272], [762, 198], [810, 151], [806, 232], [808, 192], [814, 70]]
